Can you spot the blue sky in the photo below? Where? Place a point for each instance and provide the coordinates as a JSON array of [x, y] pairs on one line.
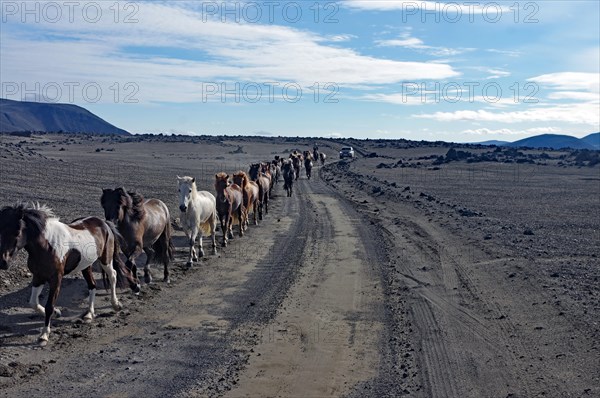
[[454, 71]]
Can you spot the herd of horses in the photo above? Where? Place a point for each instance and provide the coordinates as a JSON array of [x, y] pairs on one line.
[[132, 225]]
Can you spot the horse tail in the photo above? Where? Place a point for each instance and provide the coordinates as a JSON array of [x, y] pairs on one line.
[[124, 274], [206, 228], [163, 247]]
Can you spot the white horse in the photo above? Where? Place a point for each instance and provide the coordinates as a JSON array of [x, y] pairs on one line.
[[198, 215]]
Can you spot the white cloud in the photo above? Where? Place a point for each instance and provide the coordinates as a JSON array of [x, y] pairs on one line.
[[579, 113], [497, 73], [213, 51], [407, 41], [570, 81], [509, 53], [574, 95], [424, 5], [510, 132]]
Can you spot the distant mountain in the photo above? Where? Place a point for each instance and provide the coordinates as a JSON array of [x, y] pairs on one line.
[[19, 116], [554, 141], [593, 140], [493, 142]]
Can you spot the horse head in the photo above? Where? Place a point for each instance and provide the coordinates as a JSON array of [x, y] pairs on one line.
[[186, 186], [240, 178], [221, 181], [18, 225], [115, 203], [254, 171]]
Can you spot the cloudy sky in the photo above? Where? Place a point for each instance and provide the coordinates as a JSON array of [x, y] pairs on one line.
[[461, 71]]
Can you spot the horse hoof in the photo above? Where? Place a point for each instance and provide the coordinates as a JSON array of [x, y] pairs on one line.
[[167, 280], [189, 264], [57, 313], [117, 307], [215, 251], [224, 244], [42, 342], [136, 289], [148, 278], [87, 317]]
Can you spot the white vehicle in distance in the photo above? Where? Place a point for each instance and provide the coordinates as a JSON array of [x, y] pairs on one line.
[[347, 152]]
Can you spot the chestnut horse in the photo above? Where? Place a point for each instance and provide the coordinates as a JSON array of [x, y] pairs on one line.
[[144, 224], [251, 191], [259, 178], [230, 205], [56, 249], [289, 175], [198, 215]]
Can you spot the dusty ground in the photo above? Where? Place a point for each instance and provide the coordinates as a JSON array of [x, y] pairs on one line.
[[456, 280]]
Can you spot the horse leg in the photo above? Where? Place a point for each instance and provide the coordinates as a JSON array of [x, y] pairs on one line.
[[129, 263], [255, 210], [223, 221], [52, 296], [112, 279], [241, 218], [230, 226], [197, 235], [34, 300], [88, 275], [214, 236], [149, 257], [266, 205]]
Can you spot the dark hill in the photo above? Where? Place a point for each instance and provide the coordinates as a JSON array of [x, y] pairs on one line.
[[21, 116], [554, 141]]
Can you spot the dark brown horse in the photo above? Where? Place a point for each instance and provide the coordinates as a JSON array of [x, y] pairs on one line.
[[145, 226], [263, 182], [56, 249], [289, 175], [251, 191], [230, 205]]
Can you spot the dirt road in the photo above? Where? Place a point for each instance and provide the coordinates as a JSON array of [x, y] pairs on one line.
[[343, 290], [296, 302]]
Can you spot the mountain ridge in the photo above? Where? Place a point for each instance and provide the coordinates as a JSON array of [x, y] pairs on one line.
[[25, 116]]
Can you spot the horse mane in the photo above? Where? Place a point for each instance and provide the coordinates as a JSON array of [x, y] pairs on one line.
[[136, 206], [241, 174], [34, 215]]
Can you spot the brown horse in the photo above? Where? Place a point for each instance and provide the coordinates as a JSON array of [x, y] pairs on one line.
[[56, 249], [296, 163], [263, 182], [276, 168], [230, 205], [265, 169], [251, 191], [289, 175], [308, 164], [145, 226]]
